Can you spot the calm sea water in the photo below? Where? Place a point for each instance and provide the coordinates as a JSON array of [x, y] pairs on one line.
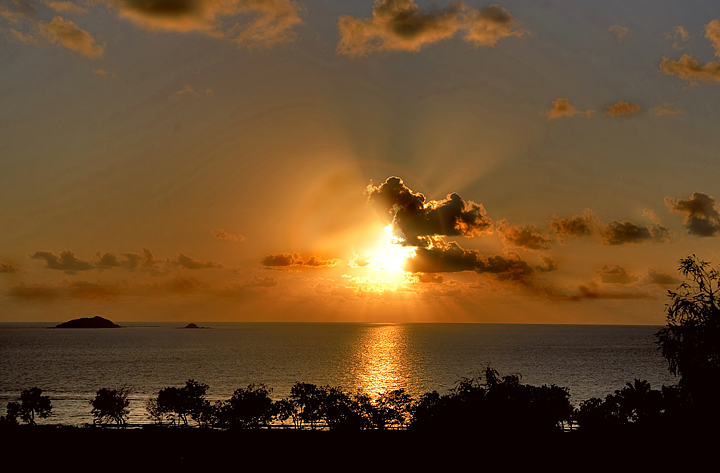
[[70, 365]]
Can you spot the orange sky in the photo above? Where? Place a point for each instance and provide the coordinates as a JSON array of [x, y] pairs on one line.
[[320, 160]]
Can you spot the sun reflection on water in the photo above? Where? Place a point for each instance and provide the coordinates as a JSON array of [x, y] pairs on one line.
[[383, 361]]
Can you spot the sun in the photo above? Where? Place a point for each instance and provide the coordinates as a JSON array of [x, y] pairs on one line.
[[387, 256]]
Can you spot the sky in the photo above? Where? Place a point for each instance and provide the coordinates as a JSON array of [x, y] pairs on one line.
[[332, 160]]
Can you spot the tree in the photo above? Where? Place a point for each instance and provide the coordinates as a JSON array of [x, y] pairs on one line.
[[32, 402], [177, 404], [308, 401], [10, 417], [248, 408], [691, 340], [393, 408], [111, 405]]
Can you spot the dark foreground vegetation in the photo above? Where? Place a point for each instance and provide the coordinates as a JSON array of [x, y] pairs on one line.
[[490, 414]]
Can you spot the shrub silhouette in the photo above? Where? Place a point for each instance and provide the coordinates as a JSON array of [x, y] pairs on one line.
[[111, 405]]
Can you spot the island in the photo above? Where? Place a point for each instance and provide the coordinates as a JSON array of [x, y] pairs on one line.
[[88, 322], [191, 326]]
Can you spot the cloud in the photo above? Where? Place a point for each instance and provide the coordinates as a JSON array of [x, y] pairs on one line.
[[8, 268], [618, 233], [23, 10], [34, 292], [107, 261], [24, 38], [189, 263], [59, 31], [400, 25], [145, 260], [652, 216], [666, 109], [66, 7], [448, 257], [616, 275], [689, 68], [415, 217], [583, 224], [88, 290], [68, 34], [658, 277], [621, 108], [701, 213], [271, 24], [619, 31], [680, 37], [262, 282], [591, 291], [548, 265], [610, 233], [221, 234], [104, 73], [563, 108], [427, 278], [522, 236], [293, 259], [187, 90], [66, 261]]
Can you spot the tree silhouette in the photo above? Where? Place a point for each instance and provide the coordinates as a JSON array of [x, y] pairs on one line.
[[111, 405], [691, 340], [32, 402]]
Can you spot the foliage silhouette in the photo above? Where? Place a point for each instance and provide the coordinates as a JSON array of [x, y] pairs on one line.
[[502, 404], [637, 404], [111, 405], [32, 403], [690, 341]]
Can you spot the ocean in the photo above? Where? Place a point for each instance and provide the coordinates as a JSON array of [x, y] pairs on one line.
[[70, 365]]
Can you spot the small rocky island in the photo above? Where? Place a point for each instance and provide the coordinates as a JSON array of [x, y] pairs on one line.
[[191, 326], [88, 322]]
